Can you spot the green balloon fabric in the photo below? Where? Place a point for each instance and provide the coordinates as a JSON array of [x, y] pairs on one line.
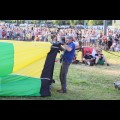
[[17, 85], [7, 58], [24, 67]]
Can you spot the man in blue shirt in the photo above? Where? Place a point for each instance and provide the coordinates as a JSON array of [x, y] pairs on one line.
[[69, 52]]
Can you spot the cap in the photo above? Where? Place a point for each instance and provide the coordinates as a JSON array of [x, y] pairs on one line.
[[69, 37]]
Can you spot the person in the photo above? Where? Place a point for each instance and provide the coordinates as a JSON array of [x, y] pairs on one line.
[[117, 48], [77, 47], [110, 40], [1, 33], [69, 52], [88, 59], [113, 46], [76, 42], [100, 58]]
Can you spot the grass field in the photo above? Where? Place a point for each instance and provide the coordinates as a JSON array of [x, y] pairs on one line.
[[85, 82]]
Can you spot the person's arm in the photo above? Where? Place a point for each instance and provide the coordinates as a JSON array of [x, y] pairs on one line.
[[66, 47], [84, 58]]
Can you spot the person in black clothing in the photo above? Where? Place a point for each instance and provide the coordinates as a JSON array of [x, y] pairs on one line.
[[110, 42], [88, 59]]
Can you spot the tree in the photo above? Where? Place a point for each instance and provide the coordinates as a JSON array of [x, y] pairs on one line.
[[13, 21], [67, 22], [94, 22], [90, 22], [59, 22], [81, 22], [55, 22], [72, 22], [116, 25], [109, 22], [77, 22], [33, 21], [98, 22]]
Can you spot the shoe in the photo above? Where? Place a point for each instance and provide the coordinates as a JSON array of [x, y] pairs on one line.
[[108, 64], [61, 91]]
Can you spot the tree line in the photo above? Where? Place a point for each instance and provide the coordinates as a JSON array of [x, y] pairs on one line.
[[61, 22], [82, 22]]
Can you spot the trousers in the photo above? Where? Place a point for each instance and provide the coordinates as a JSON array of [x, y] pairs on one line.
[[63, 74]]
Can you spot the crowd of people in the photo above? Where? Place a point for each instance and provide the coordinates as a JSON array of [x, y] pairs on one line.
[[85, 37]]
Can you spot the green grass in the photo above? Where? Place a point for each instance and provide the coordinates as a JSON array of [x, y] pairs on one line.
[[86, 82]]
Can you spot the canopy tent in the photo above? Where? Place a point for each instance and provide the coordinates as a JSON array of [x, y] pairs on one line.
[[26, 68]]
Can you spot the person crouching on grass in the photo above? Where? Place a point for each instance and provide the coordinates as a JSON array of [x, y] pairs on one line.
[[100, 58], [88, 59], [68, 55]]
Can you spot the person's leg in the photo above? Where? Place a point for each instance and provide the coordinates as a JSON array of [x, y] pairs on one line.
[[64, 71], [109, 44], [95, 41], [60, 76], [105, 60], [92, 41], [64, 75], [97, 59], [87, 62]]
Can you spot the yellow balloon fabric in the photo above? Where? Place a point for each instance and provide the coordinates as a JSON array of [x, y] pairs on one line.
[[29, 57]]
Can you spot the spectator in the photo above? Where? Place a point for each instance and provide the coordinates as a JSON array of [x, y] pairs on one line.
[[100, 58], [117, 48], [114, 44], [88, 59]]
